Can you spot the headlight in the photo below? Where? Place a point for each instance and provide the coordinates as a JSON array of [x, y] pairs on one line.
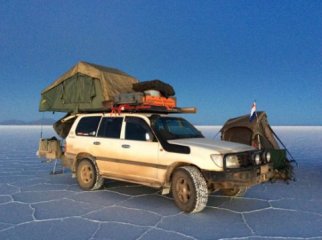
[[257, 158], [232, 161], [217, 160]]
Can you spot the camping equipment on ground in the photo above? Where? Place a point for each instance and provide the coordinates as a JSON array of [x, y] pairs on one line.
[[259, 134]]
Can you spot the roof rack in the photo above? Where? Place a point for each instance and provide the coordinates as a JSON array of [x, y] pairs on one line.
[[150, 109]]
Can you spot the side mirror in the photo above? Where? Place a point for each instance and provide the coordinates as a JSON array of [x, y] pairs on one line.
[[149, 137]]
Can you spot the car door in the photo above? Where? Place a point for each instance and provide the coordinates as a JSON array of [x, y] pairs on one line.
[[139, 151], [126, 154], [106, 144], [80, 139]]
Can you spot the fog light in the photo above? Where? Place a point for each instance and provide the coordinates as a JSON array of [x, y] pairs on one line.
[[268, 157], [257, 159]]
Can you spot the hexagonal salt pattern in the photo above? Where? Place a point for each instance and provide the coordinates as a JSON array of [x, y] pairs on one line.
[[37, 205]]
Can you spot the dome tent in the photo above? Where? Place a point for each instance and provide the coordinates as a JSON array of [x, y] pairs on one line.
[[259, 134], [241, 130]]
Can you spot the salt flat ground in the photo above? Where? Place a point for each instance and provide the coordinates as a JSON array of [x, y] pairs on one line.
[[37, 205]]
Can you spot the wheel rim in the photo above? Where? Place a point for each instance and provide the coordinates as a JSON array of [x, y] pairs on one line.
[[183, 190], [86, 174]]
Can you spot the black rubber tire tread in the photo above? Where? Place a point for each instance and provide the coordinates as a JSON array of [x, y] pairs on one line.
[[198, 187], [97, 182]]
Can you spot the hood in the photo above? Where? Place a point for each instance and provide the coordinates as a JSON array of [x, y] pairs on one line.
[[219, 147]]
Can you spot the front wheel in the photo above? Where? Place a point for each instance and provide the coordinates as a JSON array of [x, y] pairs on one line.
[[87, 176], [189, 189]]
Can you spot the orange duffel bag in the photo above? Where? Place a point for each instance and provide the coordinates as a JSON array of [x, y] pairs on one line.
[[160, 101]]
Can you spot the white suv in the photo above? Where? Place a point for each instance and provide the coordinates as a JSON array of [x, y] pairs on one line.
[[161, 151]]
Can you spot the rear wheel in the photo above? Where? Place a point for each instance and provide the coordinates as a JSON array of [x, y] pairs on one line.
[[87, 176], [189, 189]]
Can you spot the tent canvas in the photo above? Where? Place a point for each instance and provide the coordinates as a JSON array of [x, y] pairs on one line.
[[242, 130], [259, 134], [85, 87]]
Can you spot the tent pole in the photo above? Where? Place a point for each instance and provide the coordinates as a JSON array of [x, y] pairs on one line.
[[293, 160], [258, 138], [214, 137], [41, 125]]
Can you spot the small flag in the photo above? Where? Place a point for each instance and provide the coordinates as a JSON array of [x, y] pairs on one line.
[[252, 112]]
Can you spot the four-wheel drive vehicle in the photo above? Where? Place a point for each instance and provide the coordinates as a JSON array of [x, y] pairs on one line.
[[160, 151]]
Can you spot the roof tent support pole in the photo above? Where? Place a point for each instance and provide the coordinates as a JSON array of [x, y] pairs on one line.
[[41, 125], [214, 137], [258, 138], [259, 142]]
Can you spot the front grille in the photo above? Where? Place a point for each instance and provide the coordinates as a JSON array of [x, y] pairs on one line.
[[245, 159]]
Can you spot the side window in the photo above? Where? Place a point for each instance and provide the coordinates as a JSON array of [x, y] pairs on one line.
[[87, 126], [137, 129], [110, 127]]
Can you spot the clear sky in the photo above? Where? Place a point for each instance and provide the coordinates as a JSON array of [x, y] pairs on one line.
[[219, 56]]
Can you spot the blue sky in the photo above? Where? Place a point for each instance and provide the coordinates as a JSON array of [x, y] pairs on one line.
[[219, 55]]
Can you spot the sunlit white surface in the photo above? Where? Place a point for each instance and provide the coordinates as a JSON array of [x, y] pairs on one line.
[[37, 205]]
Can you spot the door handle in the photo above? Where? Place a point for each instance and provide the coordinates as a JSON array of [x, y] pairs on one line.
[[126, 146], [97, 143]]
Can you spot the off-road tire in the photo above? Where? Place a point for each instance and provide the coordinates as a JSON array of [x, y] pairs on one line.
[[234, 192], [87, 175], [189, 189]]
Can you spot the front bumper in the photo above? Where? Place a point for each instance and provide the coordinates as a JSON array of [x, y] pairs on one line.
[[242, 177]]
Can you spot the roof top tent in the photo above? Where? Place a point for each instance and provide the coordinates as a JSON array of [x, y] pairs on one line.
[[86, 87], [259, 134]]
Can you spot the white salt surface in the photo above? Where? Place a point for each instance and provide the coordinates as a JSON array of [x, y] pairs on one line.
[[37, 205]]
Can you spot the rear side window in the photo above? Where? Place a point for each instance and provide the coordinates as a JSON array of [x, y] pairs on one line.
[[87, 126], [110, 127]]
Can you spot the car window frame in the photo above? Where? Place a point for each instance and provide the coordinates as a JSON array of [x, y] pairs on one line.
[[145, 125], [110, 117], [84, 134]]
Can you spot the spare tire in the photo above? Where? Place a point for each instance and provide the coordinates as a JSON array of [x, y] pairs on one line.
[[165, 89]]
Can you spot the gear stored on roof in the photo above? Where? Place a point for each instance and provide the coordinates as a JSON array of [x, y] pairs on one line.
[[88, 87]]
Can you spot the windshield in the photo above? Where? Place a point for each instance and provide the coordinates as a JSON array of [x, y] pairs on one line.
[[170, 128]]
